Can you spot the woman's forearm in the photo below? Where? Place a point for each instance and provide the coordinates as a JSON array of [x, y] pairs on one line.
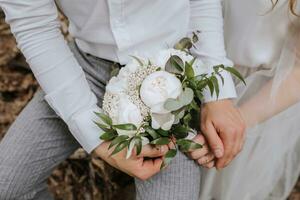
[[266, 104]]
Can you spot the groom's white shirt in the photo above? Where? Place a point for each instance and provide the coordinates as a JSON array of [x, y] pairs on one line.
[[110, 29]]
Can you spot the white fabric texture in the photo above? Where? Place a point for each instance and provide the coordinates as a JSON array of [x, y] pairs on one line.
[[110, 29], [264, 44]]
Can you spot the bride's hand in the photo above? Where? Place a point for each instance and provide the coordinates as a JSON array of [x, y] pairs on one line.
[[204, 156]]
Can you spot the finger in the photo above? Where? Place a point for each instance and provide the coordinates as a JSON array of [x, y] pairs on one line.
[[171, 145], [153, 151], [198, 153], [199, 138], [229, 139], [149, 168], [206, 159], [209, 165], [240, 137], [213, 139]]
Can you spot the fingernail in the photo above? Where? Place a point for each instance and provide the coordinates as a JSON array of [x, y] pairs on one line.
[[163, 149], [218, 153], [201, 161]]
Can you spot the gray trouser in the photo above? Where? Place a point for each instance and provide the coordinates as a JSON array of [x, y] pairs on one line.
[[39, 140]]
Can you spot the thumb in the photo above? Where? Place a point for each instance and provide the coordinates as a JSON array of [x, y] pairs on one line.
[[151, 151], [214, 141]]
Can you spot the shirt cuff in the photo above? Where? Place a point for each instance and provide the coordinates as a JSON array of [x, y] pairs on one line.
[[76, 106], [83, 128], [227, 90]]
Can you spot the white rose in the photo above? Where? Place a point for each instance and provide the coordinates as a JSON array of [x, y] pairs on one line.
[[119, 84], [129, 113], [116, 86], [163, 56], [157, 88], [128, 69]]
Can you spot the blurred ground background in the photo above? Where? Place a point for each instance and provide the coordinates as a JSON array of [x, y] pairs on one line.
[[80, 177]]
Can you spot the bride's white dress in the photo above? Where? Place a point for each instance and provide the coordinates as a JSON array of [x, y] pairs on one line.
[[263, 44]]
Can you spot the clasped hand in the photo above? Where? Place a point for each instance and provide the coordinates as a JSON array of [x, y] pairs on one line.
[[223, 134]]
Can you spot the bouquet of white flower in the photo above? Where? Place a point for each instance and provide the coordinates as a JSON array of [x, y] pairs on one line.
[[158, 101]]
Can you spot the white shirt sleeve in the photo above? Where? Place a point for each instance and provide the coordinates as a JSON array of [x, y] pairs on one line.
[[37, 30], [206, 17]]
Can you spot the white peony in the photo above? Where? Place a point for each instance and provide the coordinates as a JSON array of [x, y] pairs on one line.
[[129, 113], [155, 90]]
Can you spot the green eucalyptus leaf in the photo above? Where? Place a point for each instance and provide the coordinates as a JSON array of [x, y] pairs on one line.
[[126, 127], [184, 43], [193, 83], [186, 145], [163, 132], [189, 71], [199, 95], [195, 38], [174, 65], [117, 140], [236, 73], [138, 145], [201, 84], [103, 127], [180, 131], [179, 115], [105, 118], [187, 118], [214, 80], [161, 141], [168, 157], [216, 68], [108, 136], [195, 106], [122, 145], [186, 97], [210, 86], [221, 77], [172, 105], [152, 132]]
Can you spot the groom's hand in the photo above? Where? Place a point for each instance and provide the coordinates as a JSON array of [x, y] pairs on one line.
[[135, 166], [223, 127]]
